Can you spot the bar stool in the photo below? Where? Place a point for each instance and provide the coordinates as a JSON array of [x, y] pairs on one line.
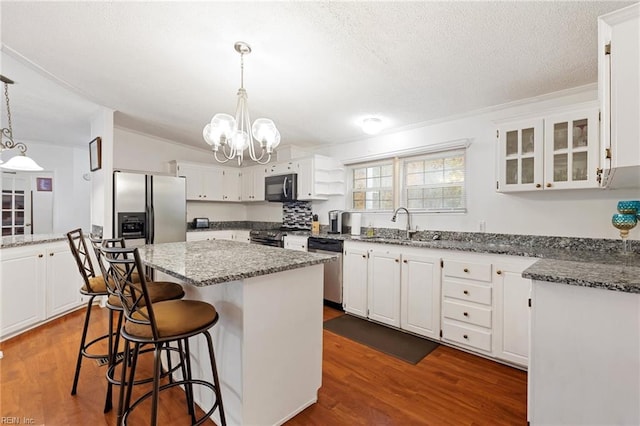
[[156, 324], [158, 290], [94, 286]]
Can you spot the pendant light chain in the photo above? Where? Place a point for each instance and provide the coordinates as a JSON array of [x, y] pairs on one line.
[[6, 96]]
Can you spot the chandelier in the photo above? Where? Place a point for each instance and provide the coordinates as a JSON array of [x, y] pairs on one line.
[[19, 162], [231, 136]]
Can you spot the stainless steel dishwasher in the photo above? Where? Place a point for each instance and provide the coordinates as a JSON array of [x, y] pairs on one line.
[[332, 270]]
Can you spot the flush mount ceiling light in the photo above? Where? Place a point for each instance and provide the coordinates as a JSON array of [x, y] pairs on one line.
[[231, 136], [372, 125], [19, 162]]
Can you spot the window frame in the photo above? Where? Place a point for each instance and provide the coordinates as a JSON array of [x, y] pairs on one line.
[[447, 149], [403, 187]]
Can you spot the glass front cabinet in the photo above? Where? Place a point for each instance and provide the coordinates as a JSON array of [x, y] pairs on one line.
[[555, 152]]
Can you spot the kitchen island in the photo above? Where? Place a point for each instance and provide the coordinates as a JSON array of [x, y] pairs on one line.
[[268, 341]]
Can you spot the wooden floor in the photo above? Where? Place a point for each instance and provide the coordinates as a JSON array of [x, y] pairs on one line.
[[360, 386]]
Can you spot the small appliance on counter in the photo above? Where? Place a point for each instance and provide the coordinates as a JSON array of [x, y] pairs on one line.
[[335, 221], [200, 223], [356, 223]]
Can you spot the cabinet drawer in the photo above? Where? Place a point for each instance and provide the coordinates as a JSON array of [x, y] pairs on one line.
[[469, 292], [466, 335], [466, 313], [468, 270]]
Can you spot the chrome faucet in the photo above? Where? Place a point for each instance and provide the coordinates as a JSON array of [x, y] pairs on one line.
[[409, 230]]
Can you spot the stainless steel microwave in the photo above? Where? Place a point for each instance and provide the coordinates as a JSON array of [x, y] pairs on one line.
[[281, 188]]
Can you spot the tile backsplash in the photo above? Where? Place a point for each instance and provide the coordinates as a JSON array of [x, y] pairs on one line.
[[297, 214]]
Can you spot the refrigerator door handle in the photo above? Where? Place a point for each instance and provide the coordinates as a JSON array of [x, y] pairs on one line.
[[150, 220]]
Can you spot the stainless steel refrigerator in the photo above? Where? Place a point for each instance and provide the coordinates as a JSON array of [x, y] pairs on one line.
[[149, 209]]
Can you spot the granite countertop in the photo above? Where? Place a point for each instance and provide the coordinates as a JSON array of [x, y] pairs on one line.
[[203, 263], [581, 262], [29, 239]]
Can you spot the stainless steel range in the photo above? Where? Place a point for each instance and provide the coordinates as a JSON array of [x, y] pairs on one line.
[[267, 237]]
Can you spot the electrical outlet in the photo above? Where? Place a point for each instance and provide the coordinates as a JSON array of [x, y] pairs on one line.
[[482, 226]]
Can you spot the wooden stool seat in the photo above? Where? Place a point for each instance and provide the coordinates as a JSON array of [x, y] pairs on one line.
[[158, 291]]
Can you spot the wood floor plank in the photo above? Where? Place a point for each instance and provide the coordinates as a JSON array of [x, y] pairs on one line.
[[360, 386]]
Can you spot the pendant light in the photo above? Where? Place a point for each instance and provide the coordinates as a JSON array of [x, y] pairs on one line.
[[19, 162], [232, 136]]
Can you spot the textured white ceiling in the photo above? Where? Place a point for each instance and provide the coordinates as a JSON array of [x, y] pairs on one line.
[[316, 67]]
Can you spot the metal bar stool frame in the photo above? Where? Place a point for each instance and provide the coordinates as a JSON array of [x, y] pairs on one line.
[[139, 311]]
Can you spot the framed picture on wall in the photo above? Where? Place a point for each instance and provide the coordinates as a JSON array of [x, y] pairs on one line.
[[44, 184], [95, 154]]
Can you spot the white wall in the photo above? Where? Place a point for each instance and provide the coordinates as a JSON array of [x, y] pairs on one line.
[[71, 192], [573, 213]]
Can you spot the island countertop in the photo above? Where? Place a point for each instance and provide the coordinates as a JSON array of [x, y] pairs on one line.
[[204, 263]]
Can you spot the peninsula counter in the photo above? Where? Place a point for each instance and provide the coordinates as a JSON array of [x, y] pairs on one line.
[[268, 341]]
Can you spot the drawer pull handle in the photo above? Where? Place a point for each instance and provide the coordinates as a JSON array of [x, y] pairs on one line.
[[466, 269], [397, 260], [40, 255], [364, 256], [466, 291], [465, 336], [405, 261], [466, 314], [499, 272], [50, 254]]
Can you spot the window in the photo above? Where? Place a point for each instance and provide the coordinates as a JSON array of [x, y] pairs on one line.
[[432, 182], [372, 186]]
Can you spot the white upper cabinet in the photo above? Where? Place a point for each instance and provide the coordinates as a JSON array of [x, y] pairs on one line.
[[619, 95], [558, 151], [231, 185], [571, 151], [520, 156], [253, 183], [209, 183]]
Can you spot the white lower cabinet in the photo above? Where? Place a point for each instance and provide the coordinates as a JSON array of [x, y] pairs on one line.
[[295, 242], [512, 311], [393, 285], [420, 294], [467, 302], [354, 278], [478, 302], [383, 285], [38, 282]]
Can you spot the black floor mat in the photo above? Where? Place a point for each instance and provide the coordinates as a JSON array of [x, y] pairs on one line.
[[404, 346]]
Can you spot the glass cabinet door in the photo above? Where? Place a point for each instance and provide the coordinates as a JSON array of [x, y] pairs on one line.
[[16, 206], [520, 157], [570, 150]]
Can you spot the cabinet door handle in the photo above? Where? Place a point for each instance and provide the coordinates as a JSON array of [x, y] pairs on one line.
[[538, 185], [50, 254], [465, 336], [549, 185], [499, 272], [364, 256], [40, 255], [397, 260], [404, 261], [465, 291], [466, 269], [466, 314]]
